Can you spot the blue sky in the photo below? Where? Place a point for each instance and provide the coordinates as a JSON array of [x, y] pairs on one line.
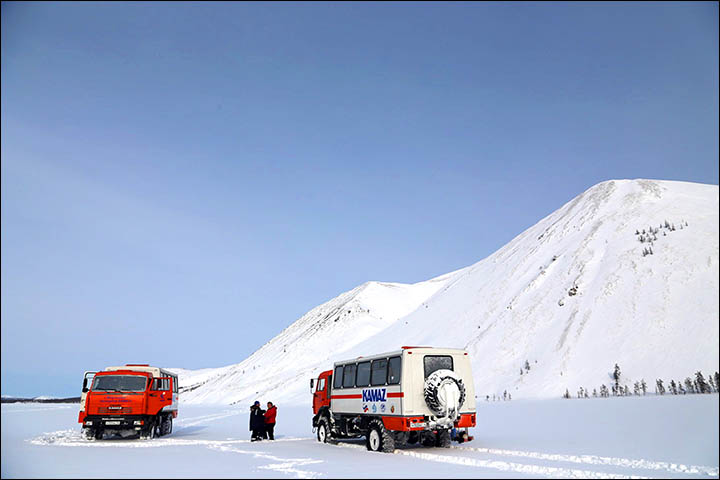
[[181, 181]]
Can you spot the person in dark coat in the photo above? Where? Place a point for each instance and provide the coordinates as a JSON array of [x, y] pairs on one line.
[[257, 422], [270, 415]]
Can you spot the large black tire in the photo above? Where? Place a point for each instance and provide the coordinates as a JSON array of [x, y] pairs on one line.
[[379, 439], [427, 439], [149, 432], [401, 438], [432, 389], [166, 425], [443, 438], [413, 437], [323, 430], [99, 434]]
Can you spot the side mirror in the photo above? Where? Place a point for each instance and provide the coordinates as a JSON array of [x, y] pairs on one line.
[[312, 383], [85, 388]]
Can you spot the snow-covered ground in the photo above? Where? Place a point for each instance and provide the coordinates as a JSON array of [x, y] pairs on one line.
[[653, 436]]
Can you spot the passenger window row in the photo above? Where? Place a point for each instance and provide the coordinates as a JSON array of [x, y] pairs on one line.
[[381, 371]]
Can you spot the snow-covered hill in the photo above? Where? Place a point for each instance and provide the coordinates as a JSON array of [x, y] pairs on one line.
[[309, 345], [572, 295]]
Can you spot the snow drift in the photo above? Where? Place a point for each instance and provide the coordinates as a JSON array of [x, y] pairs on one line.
[[626, 273]]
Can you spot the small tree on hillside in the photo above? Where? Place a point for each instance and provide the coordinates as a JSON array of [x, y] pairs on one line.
[[643, 386], [604, 391], [689, 385], [616, 375], [566, 394], [660, 387], [673, 387], [703, 387], [594, 392], [636, 388], [716, 376]]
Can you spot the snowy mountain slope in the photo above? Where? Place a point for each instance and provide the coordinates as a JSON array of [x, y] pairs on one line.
[[573, 295], [310, 344]]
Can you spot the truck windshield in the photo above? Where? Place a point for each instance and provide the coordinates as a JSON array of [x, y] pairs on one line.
[[119, 383]]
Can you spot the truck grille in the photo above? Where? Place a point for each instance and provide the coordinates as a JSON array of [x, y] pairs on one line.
[[123, 410]]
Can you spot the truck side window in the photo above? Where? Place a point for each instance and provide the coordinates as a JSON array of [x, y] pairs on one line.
[[363, 374], [349, 375], [338, 377], [394, 371], [379, 372], [161, 384], [321, 385], [437, 362]]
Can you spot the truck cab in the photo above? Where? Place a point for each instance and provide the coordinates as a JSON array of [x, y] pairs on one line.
[[129, 399], [321, 391]]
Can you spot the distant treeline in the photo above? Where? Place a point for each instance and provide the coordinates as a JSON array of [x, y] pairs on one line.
[[689, 385], [40, 400]]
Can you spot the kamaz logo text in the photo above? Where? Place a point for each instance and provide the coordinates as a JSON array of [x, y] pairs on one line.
[[374, 395]]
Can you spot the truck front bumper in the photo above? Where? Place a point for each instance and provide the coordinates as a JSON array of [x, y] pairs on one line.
[[121, 422]]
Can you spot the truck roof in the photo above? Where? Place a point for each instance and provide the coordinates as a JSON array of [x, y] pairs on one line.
[[420, 350], [155, 371]]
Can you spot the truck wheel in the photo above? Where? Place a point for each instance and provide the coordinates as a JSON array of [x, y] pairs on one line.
[[89, 433], [443, 438], [401, 438], [166, 425], [427, 439], [323, 432], [378, 438], [99, 434], [413, 437], [149, 431]]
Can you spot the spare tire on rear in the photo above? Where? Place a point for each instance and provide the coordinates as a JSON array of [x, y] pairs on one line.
[[443, 387]]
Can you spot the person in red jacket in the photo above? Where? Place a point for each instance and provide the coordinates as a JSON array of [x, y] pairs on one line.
[[270, 414]]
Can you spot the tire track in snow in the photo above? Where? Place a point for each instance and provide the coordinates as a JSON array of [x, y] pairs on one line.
[[75, 438], [528, 469], [597, 460], [283, 465], [542, 470], [290, 466]]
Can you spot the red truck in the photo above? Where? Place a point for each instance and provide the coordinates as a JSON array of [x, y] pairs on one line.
[[130, 400]]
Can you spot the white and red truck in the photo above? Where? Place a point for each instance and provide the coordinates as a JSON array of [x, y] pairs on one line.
[[415, 394], [130, 399]]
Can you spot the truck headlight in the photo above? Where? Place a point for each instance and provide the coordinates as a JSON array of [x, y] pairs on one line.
[[88, 422], [138, 422]]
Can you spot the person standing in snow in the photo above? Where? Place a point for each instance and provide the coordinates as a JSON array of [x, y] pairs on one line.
[[270, 415], [257, 422]]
